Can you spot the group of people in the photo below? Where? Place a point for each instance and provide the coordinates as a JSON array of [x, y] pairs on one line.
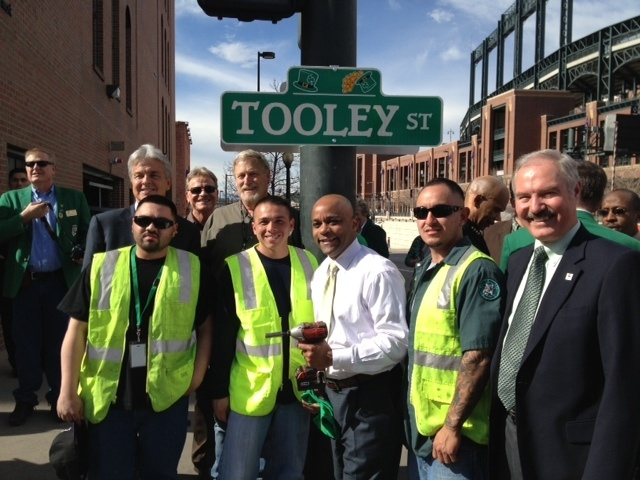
[[519, 372]]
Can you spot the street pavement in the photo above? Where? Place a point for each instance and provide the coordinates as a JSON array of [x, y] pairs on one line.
[[24, 450]]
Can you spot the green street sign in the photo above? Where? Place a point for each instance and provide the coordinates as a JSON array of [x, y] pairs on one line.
[[330, 107]]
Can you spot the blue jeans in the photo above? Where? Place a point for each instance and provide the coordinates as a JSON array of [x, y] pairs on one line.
[[471, 465], [141, 443], [281, 437], [38, 330]]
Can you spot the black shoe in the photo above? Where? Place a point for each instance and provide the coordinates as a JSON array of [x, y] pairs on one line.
[[20, 414]]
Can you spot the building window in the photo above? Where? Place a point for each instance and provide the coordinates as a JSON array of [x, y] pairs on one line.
[[128, 62], [115, 42], [98, 36]]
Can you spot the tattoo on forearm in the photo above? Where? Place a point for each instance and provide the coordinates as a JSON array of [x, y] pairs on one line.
[[472, 380]]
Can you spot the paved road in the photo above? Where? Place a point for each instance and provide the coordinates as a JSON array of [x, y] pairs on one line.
[[24, 450]]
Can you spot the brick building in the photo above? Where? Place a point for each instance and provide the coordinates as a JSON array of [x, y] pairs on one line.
[[90, 81]]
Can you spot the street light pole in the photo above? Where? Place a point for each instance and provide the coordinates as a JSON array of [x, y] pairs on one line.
[[266, 56], [226, 197], [287, 159]]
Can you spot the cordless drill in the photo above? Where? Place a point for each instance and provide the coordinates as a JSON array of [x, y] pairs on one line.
[[307, 378]]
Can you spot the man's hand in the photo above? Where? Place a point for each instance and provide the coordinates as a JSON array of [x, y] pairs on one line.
[[317, 355], [446, 444], [221, 409], [34, 210], [70, 408]]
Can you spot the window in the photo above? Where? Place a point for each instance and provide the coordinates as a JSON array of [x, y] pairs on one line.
[[98, 36]]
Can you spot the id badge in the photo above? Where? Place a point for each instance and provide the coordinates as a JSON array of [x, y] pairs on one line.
[[137, 355]]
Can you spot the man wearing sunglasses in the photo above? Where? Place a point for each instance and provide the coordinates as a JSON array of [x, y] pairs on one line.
[[202, 195], [454, 311], [621, 212], [150, 174], [138, 344], [40, 224]]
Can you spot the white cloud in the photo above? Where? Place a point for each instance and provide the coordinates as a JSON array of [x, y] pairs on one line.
[[441, 16], [238, 53], [394, 4], [452, 53], [187, 7], [216, 74]]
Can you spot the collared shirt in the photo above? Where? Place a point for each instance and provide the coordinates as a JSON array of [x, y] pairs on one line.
[[45, 252], [554, 250], [368, 332]]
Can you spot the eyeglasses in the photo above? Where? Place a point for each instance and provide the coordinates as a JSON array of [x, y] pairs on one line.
[[160, 223], [207, 188], [617, 211], [40, 163], [438, 211]]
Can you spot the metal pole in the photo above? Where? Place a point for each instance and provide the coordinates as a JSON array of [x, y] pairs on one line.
[[226, 198], [258, 71], [328, 37], [288, 191]]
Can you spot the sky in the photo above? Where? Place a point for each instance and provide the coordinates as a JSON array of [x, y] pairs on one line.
[[421, 47]]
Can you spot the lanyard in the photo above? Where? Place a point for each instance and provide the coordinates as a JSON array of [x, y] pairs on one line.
[[136, 292]]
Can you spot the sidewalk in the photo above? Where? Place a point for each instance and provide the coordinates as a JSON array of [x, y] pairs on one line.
[[24, 450]]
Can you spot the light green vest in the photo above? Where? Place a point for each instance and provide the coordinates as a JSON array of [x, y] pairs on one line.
[[256, 371], [171, 346], [437, 355]]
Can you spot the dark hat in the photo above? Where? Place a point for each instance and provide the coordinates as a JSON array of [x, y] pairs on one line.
[[65, 454]]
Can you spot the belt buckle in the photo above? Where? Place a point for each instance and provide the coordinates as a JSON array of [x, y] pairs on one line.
[[332, 384], [34, 276]]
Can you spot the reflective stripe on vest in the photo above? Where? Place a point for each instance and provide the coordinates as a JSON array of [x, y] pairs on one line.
[[438, 354], [172, 339], [256, 372]]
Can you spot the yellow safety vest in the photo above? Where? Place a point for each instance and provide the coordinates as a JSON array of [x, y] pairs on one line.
[[171, 346], [438, 354], [256, 371]]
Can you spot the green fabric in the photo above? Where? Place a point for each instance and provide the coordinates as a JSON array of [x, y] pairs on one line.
[[522, 238], [324, 418]]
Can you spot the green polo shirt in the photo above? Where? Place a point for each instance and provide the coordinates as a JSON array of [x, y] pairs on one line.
[[479, 316]]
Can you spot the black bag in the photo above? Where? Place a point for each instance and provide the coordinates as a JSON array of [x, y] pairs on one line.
[[67, 454]]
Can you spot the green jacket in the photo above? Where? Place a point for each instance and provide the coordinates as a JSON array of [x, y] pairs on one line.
[[522, 238], [72, 224]]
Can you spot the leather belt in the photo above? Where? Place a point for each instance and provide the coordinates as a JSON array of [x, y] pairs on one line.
[[43, 275], [512, 415], [338, 384]]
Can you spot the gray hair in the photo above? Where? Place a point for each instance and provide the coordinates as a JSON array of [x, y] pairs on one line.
[[148, 151], [567, 166], [252, 154], [201, 172]]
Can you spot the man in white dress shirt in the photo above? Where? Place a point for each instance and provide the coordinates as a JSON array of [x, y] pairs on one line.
[[368, 338]]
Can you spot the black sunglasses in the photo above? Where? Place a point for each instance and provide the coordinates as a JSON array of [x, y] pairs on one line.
[[617, 211], [438, 211], [160, 223], [40, 163], [207, 188]]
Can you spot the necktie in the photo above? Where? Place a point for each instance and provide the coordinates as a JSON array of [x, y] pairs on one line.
[[520, 329], [329, 293]]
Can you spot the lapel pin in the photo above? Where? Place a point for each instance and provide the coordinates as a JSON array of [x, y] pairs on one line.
[[569, 276]]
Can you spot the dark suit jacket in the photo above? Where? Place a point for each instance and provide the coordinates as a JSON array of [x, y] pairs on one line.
[[112, 229], [577, 389], [376, 238], [71, 228]]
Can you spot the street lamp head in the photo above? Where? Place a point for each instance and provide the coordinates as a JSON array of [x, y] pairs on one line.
[[287, 158], [267, 55]]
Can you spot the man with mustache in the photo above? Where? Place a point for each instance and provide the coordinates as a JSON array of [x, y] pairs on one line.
[[565, 391], [594, 182], [138, 344], [621, 212], [202, 195]]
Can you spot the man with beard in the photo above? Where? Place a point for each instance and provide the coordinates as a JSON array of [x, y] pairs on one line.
[[138, 344]]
